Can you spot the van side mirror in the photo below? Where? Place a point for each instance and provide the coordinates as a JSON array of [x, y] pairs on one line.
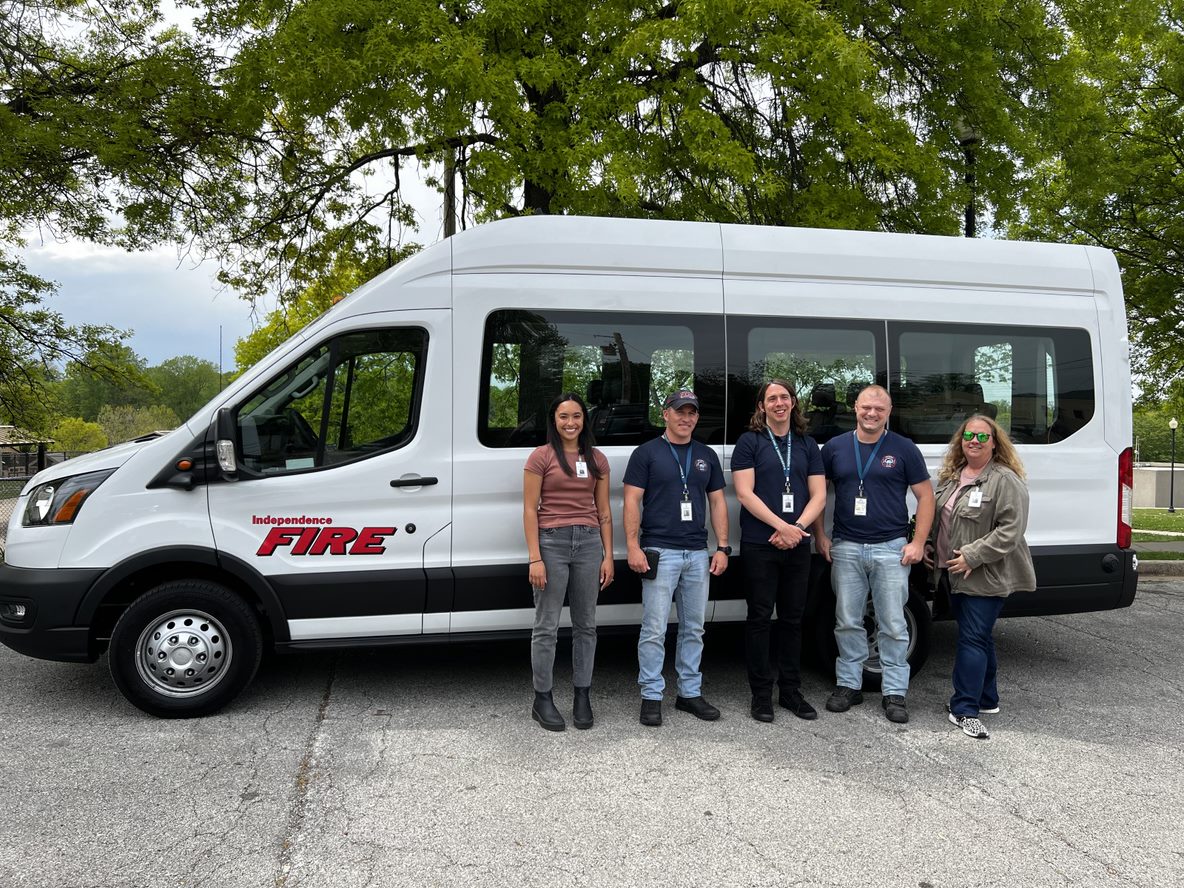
[[224, 434]]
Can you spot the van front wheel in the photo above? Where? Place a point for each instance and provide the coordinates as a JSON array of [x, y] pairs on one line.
[[185, 649]]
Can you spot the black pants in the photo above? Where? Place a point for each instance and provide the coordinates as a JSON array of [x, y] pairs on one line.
[[778, 577]]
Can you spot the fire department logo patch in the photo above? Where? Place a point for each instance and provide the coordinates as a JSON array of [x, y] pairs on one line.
[[701, 465], [888, 461]]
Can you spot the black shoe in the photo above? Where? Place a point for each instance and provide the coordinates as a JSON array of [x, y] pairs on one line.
[[796, 703], [895, 709], [651, 713], [762, 709], [545, 713], [581, 710], [698, 707], [843, 698]]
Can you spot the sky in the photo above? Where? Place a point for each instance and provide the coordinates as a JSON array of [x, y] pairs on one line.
[[172, 304]]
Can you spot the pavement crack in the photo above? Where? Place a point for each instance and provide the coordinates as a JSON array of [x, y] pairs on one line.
[[305, 772]]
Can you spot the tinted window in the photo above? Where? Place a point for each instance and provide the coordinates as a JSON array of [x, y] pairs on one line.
[[829, 361], [623, 364], [354, 396], [1037, 383]]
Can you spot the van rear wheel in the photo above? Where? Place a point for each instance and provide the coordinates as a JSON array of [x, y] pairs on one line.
[[185, 649], [916, 615]]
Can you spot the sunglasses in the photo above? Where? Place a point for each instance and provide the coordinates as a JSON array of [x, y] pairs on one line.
[[983, 437]]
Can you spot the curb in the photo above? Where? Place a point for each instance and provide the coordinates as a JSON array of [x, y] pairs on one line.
[[1153, 568]]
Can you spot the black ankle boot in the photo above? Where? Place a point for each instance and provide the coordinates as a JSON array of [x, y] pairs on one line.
[[581, 711], [545, 713]]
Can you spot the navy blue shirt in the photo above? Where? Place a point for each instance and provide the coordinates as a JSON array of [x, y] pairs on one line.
[[897, 467], [653, 468], [754, 450]]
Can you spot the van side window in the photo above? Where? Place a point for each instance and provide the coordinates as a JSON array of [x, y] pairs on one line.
[[1036, 382], [623, 365], [829, 361], [352, 397]]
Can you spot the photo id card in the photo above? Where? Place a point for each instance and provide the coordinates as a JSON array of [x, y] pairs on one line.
[[861, 506], [976, 498], [787, 502], [581, 469], [687, 515]]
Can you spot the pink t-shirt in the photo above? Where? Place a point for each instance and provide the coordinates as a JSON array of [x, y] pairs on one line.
[[565, 499], [942, 551]]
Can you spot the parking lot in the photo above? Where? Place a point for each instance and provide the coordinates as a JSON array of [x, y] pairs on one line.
[[421, 766]]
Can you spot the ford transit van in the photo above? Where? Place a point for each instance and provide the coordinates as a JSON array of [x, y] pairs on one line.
[[361, 485]]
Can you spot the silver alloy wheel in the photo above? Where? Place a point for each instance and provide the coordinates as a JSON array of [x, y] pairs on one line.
[[873, 639], [184, 653]]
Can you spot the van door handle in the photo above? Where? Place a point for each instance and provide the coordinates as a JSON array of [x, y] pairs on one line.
[[415, 482]]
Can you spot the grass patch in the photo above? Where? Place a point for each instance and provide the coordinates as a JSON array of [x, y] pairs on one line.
[[1146, 536], [1161, 556], [1159, 519]]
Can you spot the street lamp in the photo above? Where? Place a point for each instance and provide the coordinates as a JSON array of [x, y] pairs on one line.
[[968, 141], [1172, 424]]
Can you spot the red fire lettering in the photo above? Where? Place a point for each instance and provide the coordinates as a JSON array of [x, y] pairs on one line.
[[307, 535], [370, 541], [276, 537], [333, 540]]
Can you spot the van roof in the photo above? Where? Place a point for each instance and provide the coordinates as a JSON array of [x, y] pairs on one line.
[[574, 244]]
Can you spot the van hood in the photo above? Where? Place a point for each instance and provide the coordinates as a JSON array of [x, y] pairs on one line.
[[110, 458]]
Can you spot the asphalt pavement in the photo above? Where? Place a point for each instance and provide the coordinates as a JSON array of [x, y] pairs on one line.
[[421, 767]]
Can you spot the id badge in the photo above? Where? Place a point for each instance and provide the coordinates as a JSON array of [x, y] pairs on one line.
[[687, 515], [581, 469], [787, 502], [860, 506], [976, 498]]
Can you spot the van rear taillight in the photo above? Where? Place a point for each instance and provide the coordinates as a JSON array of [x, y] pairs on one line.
[[1126, 495]]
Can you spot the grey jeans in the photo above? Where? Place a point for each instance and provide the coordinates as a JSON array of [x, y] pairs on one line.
[[572, 556]]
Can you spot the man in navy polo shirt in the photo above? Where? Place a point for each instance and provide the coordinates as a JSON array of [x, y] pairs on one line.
[[669, 482], [872, 470]]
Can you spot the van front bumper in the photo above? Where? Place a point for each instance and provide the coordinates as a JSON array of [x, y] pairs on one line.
[[38, 610]]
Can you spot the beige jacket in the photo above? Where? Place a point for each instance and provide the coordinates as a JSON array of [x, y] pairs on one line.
[[990, 535]]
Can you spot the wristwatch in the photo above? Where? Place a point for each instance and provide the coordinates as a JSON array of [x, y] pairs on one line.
[[727, 550]]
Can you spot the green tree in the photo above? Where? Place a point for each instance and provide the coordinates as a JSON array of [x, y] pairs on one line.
[[766, 111], [1119, 182], [109, 375], [124, 422], [101, 106], [185, 383], [75, 435]]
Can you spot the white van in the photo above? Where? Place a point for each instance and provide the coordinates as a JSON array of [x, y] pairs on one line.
[[362, 484]]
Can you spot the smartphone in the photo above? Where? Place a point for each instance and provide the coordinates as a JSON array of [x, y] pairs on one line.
[[651, 556]]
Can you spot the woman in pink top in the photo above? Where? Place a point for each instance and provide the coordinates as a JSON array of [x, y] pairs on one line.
[[569, 537]]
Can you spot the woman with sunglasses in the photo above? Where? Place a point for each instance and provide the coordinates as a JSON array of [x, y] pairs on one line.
[[980, 556], [569, 541]]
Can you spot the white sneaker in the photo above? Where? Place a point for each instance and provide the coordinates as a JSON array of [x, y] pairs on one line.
[[994, 710], [970, 726]]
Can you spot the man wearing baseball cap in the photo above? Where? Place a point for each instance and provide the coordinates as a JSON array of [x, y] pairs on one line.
[[670, 484]]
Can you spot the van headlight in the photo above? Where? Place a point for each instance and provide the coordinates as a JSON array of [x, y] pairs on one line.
[[58, 502]]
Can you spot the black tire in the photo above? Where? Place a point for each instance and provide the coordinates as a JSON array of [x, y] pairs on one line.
[[185, 649], [917, 615]]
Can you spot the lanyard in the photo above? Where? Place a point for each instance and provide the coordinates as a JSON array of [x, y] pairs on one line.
[[787, 460], [686, 494], [862, 468]]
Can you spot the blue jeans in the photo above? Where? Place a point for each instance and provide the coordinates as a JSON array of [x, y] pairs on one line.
[[572, 556], [682, 579], [858, 569], [974, 659]]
